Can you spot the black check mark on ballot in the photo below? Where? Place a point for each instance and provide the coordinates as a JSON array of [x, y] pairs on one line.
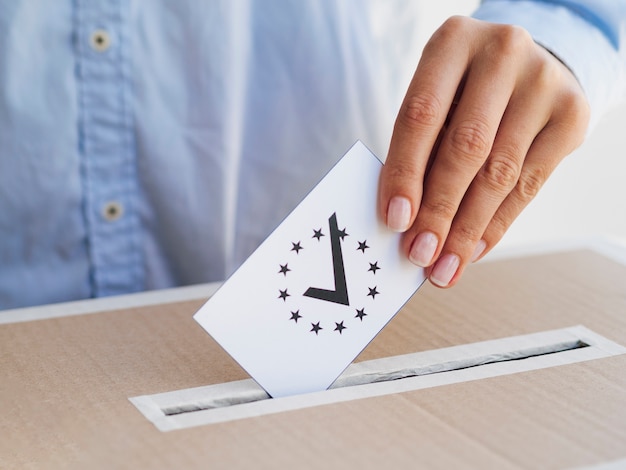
[[340, 294]]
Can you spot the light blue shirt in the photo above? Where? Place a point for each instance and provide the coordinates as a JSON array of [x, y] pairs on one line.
[[148, 144]]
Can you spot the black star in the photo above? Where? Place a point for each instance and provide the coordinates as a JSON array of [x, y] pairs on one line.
[[374, 267], [373, 292], [318, 234], [283, 294], [360, 313], [296, 247], [284, 269], [339, 327], [363, 246], [342, 234], [295, 315], [316, 327]]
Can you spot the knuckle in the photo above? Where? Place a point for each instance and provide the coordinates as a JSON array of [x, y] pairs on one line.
[[468, 234], [447, 32], [455, 24], [511, 40], [576, 107], [529, 184], [399, 170], [546, 74], [498, 226], [440, 209], [471, 139], [502, 171], [420, 110]]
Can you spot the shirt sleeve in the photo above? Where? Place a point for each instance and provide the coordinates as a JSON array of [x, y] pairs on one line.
[[587, 35]]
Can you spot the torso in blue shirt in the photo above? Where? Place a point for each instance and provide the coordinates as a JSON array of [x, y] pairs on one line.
[[151, 144]]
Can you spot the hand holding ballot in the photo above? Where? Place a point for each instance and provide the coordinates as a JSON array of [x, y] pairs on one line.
[[487, 117]]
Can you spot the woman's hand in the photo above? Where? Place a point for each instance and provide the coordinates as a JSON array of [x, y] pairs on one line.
[[487, 117]]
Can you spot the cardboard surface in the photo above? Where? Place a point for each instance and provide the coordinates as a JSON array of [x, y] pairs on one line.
[[240, 399], [65, 384]]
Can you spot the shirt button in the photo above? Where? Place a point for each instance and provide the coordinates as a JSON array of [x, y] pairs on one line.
[[112, 211], [100, 40]]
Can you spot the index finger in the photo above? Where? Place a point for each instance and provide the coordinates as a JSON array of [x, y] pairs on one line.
[[421, 117]]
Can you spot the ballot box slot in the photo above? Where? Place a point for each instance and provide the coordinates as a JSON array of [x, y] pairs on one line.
[[404, 369], [396, 369], [244, 398]]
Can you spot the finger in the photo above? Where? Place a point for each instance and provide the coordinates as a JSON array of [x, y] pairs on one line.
[[420, 119], [563, 134], [465, 147], [543, 158], [527, 114]]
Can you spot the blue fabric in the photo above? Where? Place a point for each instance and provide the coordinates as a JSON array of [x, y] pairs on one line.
[[605, 15], [151, 144], [588, 36]]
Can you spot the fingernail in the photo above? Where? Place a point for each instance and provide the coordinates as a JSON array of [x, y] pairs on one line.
[[399, 214], [444, 270], [423, 249], [480, 247]]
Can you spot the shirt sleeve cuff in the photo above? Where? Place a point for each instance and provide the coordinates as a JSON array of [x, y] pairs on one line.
[[581, 46]]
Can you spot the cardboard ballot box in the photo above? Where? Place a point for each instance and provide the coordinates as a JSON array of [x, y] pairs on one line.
[[521, 365]]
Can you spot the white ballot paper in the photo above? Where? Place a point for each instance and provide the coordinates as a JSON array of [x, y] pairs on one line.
[[318, 289]]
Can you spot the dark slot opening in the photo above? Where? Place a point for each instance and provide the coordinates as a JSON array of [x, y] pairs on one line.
[[399, 373]]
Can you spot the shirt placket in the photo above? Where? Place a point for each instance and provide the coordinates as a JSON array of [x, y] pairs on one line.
[[107, 146]]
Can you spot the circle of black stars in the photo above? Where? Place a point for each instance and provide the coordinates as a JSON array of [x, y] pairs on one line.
[[360, 312]]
